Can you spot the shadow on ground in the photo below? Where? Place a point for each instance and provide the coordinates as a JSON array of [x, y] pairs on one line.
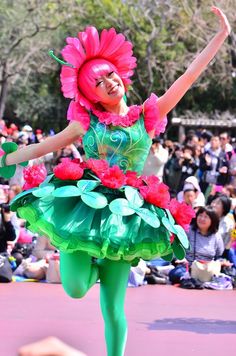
[[195, 325]]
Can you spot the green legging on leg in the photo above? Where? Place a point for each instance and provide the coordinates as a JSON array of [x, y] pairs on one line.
[[78, 275]]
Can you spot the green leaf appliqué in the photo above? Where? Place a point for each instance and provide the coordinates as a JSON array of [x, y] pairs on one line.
[[94, 199], [44, 191]]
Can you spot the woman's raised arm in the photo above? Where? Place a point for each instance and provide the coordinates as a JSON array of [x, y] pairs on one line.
[[70, 134], [173, 95]]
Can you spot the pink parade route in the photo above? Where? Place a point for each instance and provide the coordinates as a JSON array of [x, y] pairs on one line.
[[163, 320]]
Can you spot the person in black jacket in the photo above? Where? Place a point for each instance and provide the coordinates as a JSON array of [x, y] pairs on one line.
[[214, 166], [7, 228]]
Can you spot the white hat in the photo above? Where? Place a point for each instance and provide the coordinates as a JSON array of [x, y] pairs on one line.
[[193, 181], [27, 128]]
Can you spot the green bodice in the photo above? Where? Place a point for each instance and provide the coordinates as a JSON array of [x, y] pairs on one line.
[[126, 147]]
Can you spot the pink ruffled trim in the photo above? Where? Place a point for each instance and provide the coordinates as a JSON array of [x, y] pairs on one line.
[[152, 119], [76, 112], [127, 120]]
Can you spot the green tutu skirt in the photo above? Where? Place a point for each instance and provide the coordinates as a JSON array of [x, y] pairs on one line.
[[106, 223]]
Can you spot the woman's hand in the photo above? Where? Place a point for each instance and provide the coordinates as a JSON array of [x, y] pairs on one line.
[[224, 23], [177, 90]]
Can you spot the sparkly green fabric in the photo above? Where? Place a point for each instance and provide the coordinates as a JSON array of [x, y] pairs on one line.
[[126, 147]]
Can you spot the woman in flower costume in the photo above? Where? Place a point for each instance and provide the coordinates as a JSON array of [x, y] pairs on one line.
[[104, 207]]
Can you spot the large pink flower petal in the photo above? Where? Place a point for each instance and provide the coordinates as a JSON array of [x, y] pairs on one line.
[[111, 42], [90, 41], [72, 56], [78, 46]]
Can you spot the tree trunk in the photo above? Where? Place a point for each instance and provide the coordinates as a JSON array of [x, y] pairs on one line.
[[3, 91], [3, 97]]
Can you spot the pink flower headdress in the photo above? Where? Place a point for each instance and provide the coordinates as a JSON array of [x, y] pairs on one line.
[[109, 46]]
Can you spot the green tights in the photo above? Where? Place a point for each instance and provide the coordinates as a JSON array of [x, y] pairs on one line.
[[78, 274]]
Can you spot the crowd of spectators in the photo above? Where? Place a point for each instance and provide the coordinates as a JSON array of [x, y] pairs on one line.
[[200, 171]]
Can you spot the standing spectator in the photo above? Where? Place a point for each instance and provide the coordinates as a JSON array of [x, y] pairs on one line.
[[191, 139], [157, 158], [214, 165], [231, 157], [172, 169], [205, 139], [9, 229], [225, 142], [187, 165], [199, 149], [70, 151]]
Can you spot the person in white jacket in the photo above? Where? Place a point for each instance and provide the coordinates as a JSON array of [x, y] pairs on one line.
[[157, 158]]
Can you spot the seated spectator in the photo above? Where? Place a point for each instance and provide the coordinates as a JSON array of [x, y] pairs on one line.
[[232, 245], [191, 193], [222, 205], [205, 241], [43, 262], [206, 245], [230, 191], [137, 274], [43, 248]]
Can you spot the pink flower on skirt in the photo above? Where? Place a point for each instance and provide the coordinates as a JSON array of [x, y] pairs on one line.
[[34, 176]]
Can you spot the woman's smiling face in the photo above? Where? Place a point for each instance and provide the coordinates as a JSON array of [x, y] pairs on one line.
[[100, 82], [109, 88], [203, 222]]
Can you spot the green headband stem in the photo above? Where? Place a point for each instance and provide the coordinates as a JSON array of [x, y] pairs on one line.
[[51, 54]]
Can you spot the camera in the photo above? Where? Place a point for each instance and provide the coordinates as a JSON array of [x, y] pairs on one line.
[[5, 207]]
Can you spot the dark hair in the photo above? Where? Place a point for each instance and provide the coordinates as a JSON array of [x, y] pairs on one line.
[[190, 190], [156, 140], [225, 133], [226, 203], [190, 148], [207, 135], [212, 215]]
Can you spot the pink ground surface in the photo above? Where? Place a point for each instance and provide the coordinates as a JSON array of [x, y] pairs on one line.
[[163, 320]]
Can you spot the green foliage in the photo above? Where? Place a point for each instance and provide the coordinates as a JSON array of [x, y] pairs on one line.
[[166, 36]]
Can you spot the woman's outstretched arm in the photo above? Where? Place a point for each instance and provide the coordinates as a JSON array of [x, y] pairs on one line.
[[70, 134], [173, 95]]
